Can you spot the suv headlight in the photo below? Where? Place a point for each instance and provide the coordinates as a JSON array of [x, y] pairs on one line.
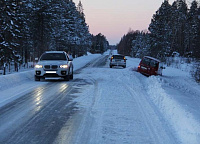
[[64, 66], [38, 66]]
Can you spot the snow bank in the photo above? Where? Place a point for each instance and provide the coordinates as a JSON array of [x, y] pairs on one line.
[[185, 125], [185, 64], [174, 72], [82, 61], [11, 80]]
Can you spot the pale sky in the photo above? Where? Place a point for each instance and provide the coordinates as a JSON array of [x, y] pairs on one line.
[[113, 18]]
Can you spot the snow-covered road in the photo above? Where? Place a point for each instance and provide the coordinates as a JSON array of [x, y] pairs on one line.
[[117, 110], [102, 106]]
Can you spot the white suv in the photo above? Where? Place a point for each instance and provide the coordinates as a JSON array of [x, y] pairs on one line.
[[54, 64]]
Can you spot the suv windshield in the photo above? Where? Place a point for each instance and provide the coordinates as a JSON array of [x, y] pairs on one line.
[[53, 56]]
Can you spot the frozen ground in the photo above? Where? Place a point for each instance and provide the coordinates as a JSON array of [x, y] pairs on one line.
[[122, 106]]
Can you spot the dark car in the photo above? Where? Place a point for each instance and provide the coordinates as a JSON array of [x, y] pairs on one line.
[[150, 66], [118, 60]]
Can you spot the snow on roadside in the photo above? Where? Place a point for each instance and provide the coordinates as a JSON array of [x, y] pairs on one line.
[[82, 61], [11, 80], [185, 125]]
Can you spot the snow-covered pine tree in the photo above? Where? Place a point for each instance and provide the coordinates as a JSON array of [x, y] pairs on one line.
[[83, 31], [140, 46], [70, 32], [125, 45], [174, 29], [182, 11], [197, 50], [191, 38], [70, 28], [30, 27], [160, 31], [197, 33], [3, 43], [36, 28], [26, 42], [9, 31], [99, 44], [60, 25], [80, 9]]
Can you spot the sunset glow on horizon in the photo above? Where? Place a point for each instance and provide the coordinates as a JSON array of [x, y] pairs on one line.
[[114, 18]]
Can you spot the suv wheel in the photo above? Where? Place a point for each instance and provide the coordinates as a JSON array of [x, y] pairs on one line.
[[110, 66], [71, 76], [67, 77], [37, 78]]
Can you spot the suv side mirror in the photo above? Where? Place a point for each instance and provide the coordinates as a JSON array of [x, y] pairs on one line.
[[70, 58], [162, 67]]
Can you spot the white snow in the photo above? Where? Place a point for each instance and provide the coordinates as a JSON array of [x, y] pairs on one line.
[[123, 106], [11, 22], [111, 102], [185, 125]]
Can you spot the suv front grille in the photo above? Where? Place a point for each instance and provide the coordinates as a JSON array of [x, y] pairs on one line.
[[50, 67], [54, 66], [47, 66]]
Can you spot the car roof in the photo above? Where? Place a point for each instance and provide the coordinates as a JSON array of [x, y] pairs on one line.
[[152, 58], [54, 51], [117, 55]]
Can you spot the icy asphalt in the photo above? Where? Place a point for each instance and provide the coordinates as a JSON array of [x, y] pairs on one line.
[[101, 106]]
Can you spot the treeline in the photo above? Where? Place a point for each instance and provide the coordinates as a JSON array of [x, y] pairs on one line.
[[99, 44], [173, 28], [30, 27]]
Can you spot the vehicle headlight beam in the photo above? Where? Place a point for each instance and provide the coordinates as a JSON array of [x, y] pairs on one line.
[[38, 66], [64, 66]]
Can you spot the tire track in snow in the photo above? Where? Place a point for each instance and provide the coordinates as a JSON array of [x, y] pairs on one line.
[[117, 112], [152, 120]]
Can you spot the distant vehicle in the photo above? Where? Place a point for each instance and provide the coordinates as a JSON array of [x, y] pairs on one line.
[[150, 66], [54, 64], [118, 60]]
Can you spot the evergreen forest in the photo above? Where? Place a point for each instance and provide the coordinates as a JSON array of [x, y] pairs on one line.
[[173, 29], [30, 27]]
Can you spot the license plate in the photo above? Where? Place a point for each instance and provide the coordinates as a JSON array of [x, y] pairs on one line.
[[50, 72], [143, 68]]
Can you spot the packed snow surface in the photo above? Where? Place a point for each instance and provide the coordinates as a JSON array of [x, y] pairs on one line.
[[123, 106]]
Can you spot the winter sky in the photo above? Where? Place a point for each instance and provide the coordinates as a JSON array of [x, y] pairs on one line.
[[114, 18]]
